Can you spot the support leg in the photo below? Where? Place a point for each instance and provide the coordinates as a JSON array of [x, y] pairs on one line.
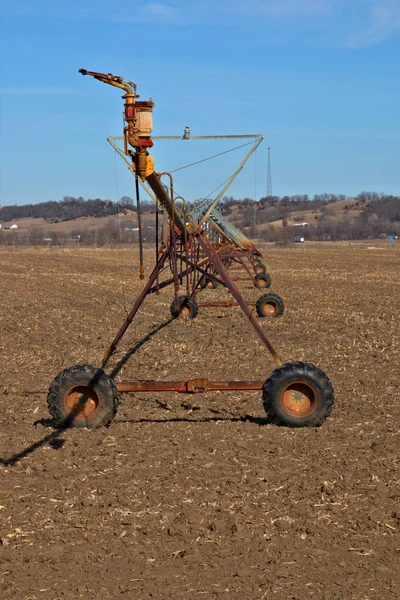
[[135, 307], [217, 262]]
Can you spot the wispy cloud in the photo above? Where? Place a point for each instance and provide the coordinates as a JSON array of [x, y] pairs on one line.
[[162, 12], [150, 12], [385, 22], [295, 7], [372, 21], [282, 8], [381, 17], [172, 12], [27, 91]]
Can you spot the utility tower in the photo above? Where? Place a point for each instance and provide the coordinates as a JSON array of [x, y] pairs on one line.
[[269, 178]]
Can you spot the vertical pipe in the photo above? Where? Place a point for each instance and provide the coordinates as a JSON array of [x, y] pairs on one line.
[[157, 244], [139, 217]]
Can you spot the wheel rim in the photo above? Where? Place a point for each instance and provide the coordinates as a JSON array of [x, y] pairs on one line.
[[259, 269], [262, 282], [209, 283], [298, 399], [81, 401], [270, 308], [184, 311]]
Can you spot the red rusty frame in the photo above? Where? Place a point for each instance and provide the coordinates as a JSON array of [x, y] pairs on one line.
[[195, 385], [182, 238]]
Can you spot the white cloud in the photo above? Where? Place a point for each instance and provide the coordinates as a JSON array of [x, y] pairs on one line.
[[385, 17]]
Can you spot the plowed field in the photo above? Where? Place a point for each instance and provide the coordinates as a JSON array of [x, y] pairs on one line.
[[198, 496]]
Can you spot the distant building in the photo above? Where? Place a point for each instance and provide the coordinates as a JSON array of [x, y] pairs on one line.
[[301, 225]]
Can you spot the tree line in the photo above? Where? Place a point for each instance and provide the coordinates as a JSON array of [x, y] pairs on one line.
[[368, 215], [70, 208]]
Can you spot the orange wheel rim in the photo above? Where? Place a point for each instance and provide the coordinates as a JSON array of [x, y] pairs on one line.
[[262, 282], [82, 401], [270, 308], [298, 399], [184, 311], [209, 283]]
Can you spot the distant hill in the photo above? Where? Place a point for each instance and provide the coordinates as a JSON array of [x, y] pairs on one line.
[[65, 210], [324, 217]]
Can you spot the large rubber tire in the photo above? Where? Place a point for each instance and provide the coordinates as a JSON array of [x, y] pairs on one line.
[[298, 395], [82, 396], [270, 305], [260, 268], [184, 307], [262, 280]]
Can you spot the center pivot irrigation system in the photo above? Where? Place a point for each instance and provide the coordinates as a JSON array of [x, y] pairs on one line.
[[198, 246]]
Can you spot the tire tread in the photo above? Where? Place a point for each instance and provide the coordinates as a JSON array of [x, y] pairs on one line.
[[299, 370], [64, 380]]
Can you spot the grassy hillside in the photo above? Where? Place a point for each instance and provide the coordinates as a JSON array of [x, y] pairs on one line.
[[271, 219]]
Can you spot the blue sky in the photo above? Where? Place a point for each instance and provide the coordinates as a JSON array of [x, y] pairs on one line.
[[319, 78]]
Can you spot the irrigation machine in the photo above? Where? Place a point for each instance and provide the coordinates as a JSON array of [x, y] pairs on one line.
[[197, 249]]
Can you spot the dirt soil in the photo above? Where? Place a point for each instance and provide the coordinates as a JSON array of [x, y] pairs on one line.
[[198, 496]]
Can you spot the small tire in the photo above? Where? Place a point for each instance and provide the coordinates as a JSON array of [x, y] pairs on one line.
[[262, 280], [298, 395], [270, 305], [184, 307], [82, 396], [207, 283], [260, 268]]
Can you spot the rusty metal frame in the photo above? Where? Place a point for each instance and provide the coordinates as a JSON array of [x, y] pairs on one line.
[[204, 254], [214, 259], [237, 244]]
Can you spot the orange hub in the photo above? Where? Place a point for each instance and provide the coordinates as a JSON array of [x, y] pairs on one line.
[[184, 311], [298, 399], [270, 308], [82, 401]]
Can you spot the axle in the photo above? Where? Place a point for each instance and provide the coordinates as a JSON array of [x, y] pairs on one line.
[[191, 386], [222, 303]]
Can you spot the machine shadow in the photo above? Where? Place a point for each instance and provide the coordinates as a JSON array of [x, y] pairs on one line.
[[53, 439], [261, 421]]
